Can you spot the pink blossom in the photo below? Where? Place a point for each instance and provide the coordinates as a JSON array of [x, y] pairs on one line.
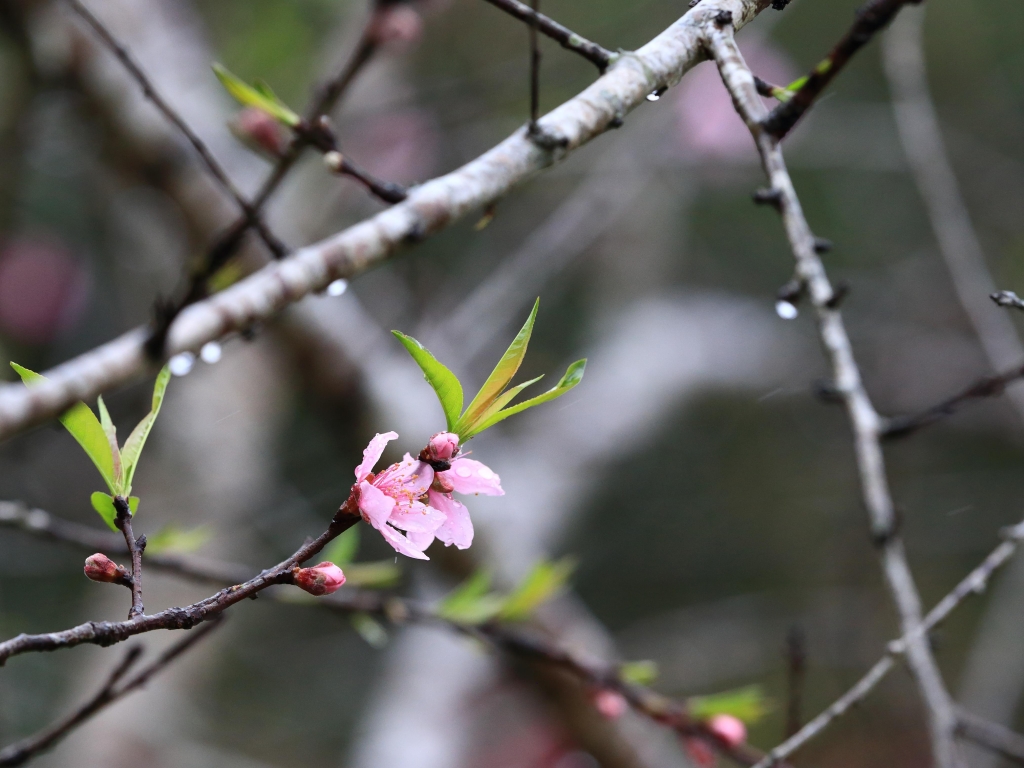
[[611, 704], [322, 579], [390, 501], [729, 729], [464, 476]]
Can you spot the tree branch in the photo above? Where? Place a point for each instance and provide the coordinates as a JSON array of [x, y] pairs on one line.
[[123, 521], [22, 751], [864, 420], [974, 583], [871, 19], [429, 208], [601, 57], [992, 736]]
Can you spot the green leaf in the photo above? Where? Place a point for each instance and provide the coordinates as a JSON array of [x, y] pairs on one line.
[[370, 629], [137, 439], [539, 586], [260, 97], [639, 672], [508, 397], [573, 376], [748, 704], [343, 549], [104, 504], [115, 453], [500, 378], [83, 425], [378, 575], [443, 381], [173, 538], [470, 602]]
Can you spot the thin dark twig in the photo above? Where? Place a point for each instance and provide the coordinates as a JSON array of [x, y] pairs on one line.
[[564, 36], [1007, 299], [151, 93], [871, 19], [534, 68], [22, 751], [123, 521], [796, 667], [990, 386], [992, 736]]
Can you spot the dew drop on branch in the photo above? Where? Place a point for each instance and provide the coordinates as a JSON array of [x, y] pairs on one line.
[[653, 96], [786, 310], [181, 364], [211, 352], [337, 288]]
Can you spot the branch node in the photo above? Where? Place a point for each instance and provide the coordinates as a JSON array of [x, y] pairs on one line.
[[772, 197], [822, 245], [839, 292]]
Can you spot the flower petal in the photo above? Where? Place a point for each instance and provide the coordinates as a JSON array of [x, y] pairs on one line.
[[416, 517], [373, 453], [410, 478], [420, 540], [468, 476], [375, 505], [457, 528], [401, 544]]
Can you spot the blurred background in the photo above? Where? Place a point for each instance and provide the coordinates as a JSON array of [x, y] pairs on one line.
[[709, 497]]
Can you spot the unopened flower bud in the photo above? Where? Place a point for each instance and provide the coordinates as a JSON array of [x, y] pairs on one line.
[[99, 567], [443, 446], [729, 729], [699, 751], [260, 132], [398, 24], [334, 161], [611, 704], [322, 579]]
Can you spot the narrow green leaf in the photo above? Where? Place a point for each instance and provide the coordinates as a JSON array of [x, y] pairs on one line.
[[83, 425], [471, 589], [137, 439], [748, 704], [572, 377], [174, 538], [379, 575], [115, 453], [343, 549], [104, 504], [133, 504], [370, 630], [639, 672], [256, 97], [500, 377], [508, 397], [539, 586], [444, 383]]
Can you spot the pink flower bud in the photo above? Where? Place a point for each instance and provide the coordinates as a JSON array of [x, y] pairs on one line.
[[442, 446], [99, 567], [397, 23], [729, 729], [259, 131], [322, 579], [611, 704], [699, 751]]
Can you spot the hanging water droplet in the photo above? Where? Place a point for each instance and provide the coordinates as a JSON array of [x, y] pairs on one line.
[[786, 310], [337, 288], [211, 352], [653, 96], [181, 363]]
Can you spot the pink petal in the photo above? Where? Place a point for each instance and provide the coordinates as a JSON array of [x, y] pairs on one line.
[[411, 478], [401, 544], [373, 453], [468, 476], [420, 540], [416, 517], [375, 505], [457, 528]]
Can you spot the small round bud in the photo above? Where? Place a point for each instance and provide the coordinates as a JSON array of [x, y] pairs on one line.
[[397, 24], [260, 132], [443, 446], [729, 729], [334, 160], [699, 751], [611, 704], [322, 579], [99, 567]]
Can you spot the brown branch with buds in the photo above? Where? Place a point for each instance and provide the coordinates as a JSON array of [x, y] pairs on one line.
[[112, 690], [123, 521]]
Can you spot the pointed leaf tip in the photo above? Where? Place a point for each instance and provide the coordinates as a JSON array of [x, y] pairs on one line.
[[445, 384]]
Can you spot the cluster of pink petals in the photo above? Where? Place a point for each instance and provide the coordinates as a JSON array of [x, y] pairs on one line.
[[392, 501]]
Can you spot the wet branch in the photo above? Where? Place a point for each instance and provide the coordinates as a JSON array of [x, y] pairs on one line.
[[872, 18], [112, 690], [601, 57], [123, 521]]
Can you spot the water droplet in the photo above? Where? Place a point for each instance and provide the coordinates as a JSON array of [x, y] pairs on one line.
[[211, 352], [786, 310], [337, 288], [463, 471], [654, 96], [181, 363]]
